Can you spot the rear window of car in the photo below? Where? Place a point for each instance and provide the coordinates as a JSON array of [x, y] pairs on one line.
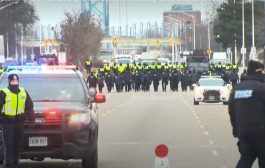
[[69, 89], [211, 82]]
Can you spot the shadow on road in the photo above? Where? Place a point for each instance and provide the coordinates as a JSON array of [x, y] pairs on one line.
[[49, 164]]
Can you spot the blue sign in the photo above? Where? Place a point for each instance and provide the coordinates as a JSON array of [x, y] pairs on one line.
[[181, 7]]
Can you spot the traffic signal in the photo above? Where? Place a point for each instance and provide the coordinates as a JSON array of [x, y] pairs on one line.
[[171, 42], [178, 41], [157, 43], [115, 41]]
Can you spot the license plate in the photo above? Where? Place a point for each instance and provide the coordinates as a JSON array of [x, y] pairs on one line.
[[38, 141], [211, 97]]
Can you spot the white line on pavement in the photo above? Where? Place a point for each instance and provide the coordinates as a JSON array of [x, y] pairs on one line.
[[223, 166], [202, 127], [206, 132], [214, 152], [130, 143], [211, 142]]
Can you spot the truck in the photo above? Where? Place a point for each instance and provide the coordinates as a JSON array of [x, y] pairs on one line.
[[149, 57], [198, 61], [123, 59], [219, 57]]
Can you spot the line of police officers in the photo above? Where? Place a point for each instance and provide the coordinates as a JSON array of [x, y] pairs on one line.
[[140, 76]]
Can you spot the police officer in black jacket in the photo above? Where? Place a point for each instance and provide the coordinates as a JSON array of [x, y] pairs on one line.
[[15, 106], [247, 115]]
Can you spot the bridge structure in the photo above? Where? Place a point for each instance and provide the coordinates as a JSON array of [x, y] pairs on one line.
[[141, 42]]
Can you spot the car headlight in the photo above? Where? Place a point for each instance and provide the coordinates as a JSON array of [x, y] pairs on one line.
[[80, 118]]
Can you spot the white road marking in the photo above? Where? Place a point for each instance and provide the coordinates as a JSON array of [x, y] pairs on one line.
[[211, 142], [215, 152], [130, 143], [223, 166], [202, 126], [206, 133]]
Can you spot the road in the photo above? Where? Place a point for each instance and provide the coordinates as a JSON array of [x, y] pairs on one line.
[[132, 124]]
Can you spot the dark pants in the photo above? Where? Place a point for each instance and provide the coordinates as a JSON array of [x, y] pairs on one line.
[[251, 146], [13, 134]]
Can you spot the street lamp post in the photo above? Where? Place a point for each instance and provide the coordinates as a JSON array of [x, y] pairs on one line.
[[243, 32], [134, 26], [155, 27], [148, 29], [194, 29], [254, 55], [141, 29]]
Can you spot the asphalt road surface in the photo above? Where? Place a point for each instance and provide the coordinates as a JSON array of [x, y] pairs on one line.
[[133, 124]]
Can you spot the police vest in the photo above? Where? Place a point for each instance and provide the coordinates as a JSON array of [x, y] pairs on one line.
[[235, 67], [219, 66], [166, 67], [121, 68], [88, 62], [2, 70], [101, 70], [14, 103], [140, 67], [159, 66], [153, 67], [107, 68], [174, 66], [181, 66], [115, 67]]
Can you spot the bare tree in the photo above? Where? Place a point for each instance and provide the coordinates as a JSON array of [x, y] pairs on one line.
[[81, 34]]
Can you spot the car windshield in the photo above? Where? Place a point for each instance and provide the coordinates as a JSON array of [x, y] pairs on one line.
[[211, 82], [52, 88]]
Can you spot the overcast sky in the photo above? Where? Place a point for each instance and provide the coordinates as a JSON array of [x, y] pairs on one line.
[[52, 11]]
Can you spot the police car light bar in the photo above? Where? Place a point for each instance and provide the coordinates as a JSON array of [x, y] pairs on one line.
[[43, 67], [209, 76], [60, 67]]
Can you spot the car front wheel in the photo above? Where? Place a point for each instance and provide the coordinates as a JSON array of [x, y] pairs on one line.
[[91, 162], [195, 102], [225, 103]]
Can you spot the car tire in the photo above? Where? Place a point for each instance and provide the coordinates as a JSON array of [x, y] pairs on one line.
[[225, 103], [195, 102], [91, 162]]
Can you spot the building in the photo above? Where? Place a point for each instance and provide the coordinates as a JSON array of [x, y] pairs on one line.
[[181, 23]]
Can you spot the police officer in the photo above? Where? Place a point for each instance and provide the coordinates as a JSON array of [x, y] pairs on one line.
[[156, 79], [137, 81], [92, 80], [247, 114], [100, 81], [88, 65], [109, 81], [15, 105]]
